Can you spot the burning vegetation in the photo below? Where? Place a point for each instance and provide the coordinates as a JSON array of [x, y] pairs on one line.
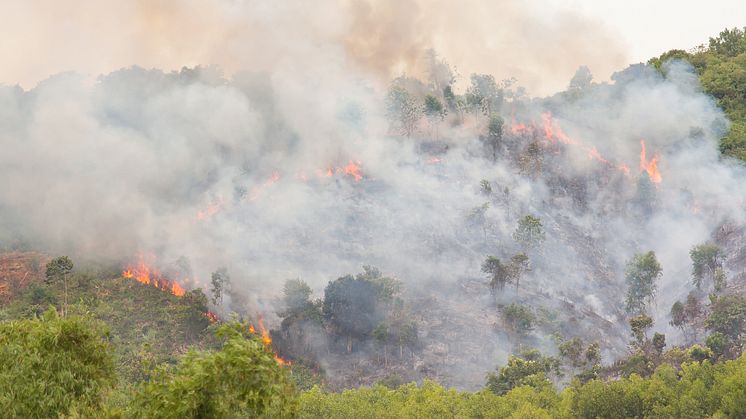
[[146, 273]]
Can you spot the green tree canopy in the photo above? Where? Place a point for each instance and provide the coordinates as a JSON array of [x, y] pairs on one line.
[[241, 380], [727, 316], [51, 366], [641, 275], [530, 368], [530, 231], [57, 270], [707, 262], [350, 307]]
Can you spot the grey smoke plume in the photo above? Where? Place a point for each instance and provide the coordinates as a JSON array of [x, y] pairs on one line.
[[539, 44]]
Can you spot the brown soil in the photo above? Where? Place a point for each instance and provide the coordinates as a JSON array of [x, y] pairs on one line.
[[18, 270]]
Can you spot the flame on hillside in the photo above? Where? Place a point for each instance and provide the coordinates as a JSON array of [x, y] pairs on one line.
[[212, 209], [351, 169], [553, 134], [651, 167], [267, 340], [145, 273]]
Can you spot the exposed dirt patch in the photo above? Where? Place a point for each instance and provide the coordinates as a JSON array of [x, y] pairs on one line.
[[18, 270]]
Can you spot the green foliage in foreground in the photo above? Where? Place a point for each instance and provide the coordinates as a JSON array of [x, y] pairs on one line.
[[51, 366], [147, 326], [241, 380], [698, 390]]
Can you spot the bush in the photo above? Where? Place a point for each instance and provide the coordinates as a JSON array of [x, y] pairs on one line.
[[51, 366]]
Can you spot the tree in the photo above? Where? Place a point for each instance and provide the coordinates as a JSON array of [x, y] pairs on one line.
[[440, 74], [495, 134], [219, 281], [528, 368], [518, 265], [727, 316], [485, 188], [730, 42], [718, 343], [478, 217], [684, 315], [434, 111], [678, 316], [501, 273], [639, 326], [529, 232], [518, 318], [572, 351], [434, 108], [483, 94], [52, 367], [642, 272], [531, 159], [243, 379], [296, 296], [659, 342], [57, 270], [403, 111], [707, 263], [581, 80], [350, 307]]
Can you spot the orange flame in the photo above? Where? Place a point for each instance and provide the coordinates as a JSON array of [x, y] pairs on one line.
[[211, 210], [552, 130], [212, 317], [352, 169], [145, 274], [651, 167], [553, 134], [267, 340], [257, 190], [517, 127]]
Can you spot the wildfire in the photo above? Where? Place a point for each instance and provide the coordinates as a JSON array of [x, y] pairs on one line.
[[552, 130], [211, 210], [518, 127], [651, 167], [256, 191], [352, 169], [145, 274], [267, 340], [212, 317], [554, 134]]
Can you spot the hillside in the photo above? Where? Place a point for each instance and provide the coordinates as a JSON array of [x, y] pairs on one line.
[[148, 326], [316, 239]]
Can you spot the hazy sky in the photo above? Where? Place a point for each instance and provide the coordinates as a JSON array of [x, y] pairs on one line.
[[540, 42], [649, 27]]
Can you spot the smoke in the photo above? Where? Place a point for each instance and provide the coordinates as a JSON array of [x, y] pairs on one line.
[[255, 169], [539, 45]]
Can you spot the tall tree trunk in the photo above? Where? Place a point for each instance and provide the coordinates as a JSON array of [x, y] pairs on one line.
[[64, 306]]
